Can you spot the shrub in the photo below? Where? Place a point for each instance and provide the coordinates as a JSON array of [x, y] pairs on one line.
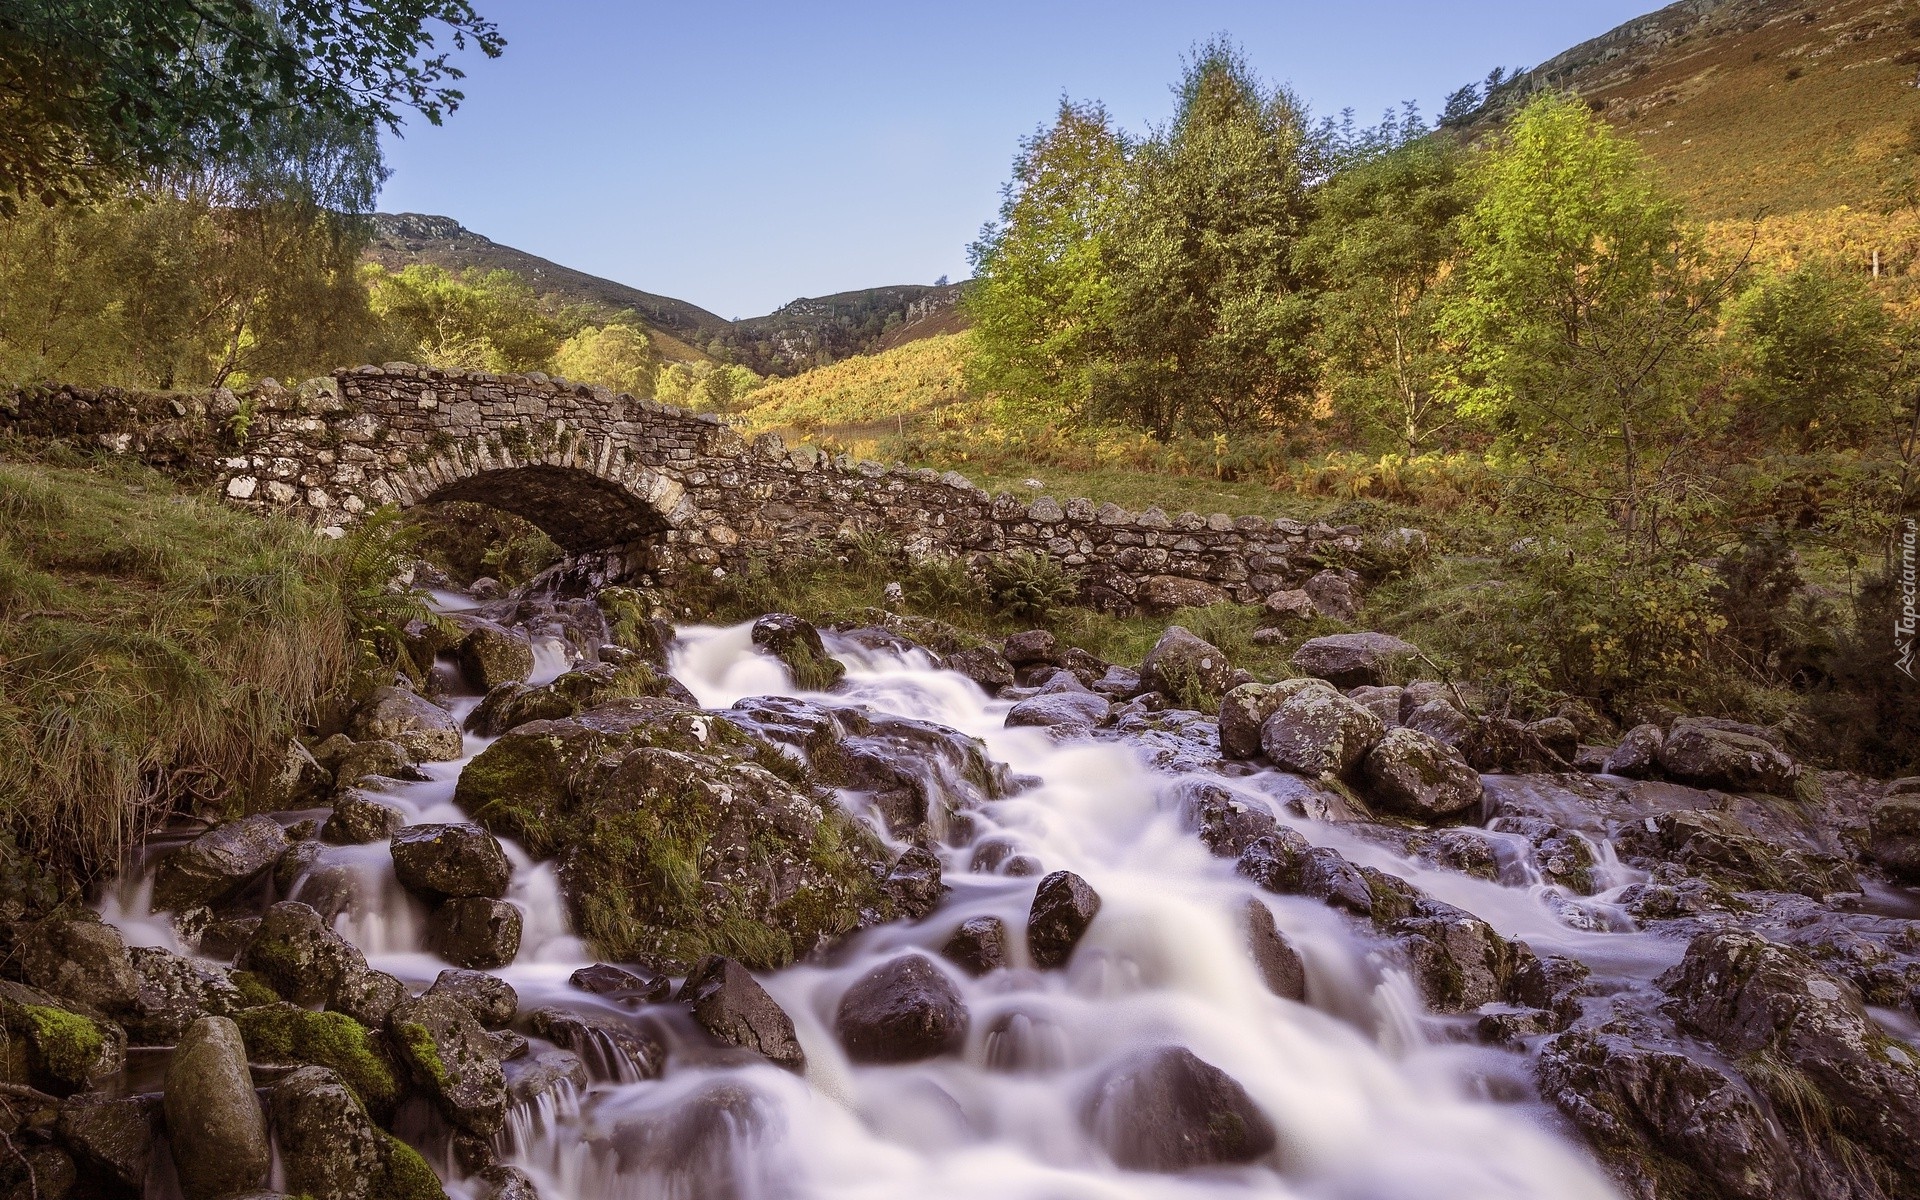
[[1029, 586]]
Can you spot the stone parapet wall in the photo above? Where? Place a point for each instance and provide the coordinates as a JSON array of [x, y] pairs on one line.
[[661, 489]]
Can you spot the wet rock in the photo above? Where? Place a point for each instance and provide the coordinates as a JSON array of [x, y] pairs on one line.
[[668, 826], [1167, 1110], [1162, 594], [729, 1003], [1663, 1113], [1462, 850], [38, 1173], [1001, 856], [1350, 660], [552, 1073], [1441, 721], [1286, 607], [613, 1049], [1226, 823], [174, 992], [914, 883], [982, 664], [1117, 683], [82, 961], [358, 818], [111, 1140], [903, 1010], [452, 1060], [218, 1137], [1273, 860], [1318, 732], [1701, 754], [577, 691], [1718, 847], [508, 1183], [1894, 836], [378, 758], [299, 956], [1557, 735], [1033, 646], [797, 644], [329, 1150], [295, 782], [1414, 775], [623, 984], [1063, 907], [1280, 965], [52, 1048], [978, 946], [1063, 710], [450, 861], [218, 863], [507, 1044], [1186, 668], [422, 728], [490, 655], [473, 931], [1807, 1032], [367, 996], [1244, 711], [1333, 594], [1324, 874], [1457, 960], [1638, 754], [489, 999]]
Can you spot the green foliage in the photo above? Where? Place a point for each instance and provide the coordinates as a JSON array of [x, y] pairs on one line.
[[1583, 310], [475, 321], [1029, 586], [615, 356], [1042, 293], [1212, 319], [944, 587], [405, 1175], [705, 387], [1382, 241], [468, 540], [286, 1033], [372, 557], [94, 91], [1811, 350]]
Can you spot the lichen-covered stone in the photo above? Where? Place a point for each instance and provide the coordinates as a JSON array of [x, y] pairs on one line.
[[214, 1127], [422, 728], [1699, 753], [475, 932], [1318, 732], [1350, 660], [491, 655], [358, 818], [84, 961], [218, 863], [491, 1000], [1186, 668], [1638, 754], [1413, 775], [452, 1060], [1894, 837], [329, 1150]]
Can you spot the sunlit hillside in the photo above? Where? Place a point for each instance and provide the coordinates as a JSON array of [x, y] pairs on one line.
[[868, 395]]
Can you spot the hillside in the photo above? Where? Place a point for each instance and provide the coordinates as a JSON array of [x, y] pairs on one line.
[[1752, 106], [867, 396], [805, 333]]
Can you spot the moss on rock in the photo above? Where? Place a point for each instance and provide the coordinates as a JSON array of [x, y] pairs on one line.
[[286, 1033]]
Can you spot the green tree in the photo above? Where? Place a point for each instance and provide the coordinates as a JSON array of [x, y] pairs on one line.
[[1584, 310], [705, 387], [95, 93], [1040, 298], [1811, 349], [617, 356], [1382, 242], [476, 321], [1212, 321]]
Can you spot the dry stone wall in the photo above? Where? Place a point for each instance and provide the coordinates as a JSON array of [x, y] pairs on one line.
[[656, 489]]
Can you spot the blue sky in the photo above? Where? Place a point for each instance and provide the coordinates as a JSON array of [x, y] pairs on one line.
[[739, 155]]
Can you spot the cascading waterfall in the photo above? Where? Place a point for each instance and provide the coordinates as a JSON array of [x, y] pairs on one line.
[[1372, 1096]]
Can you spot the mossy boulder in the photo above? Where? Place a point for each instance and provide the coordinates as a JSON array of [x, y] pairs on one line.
[[797, 644], [329, 1149], [52, 1048], [491, 655], [1317, 732], [287, 1034], [1244, 711], [580, 689], [672, 840], [297, 954], [1413, 775], [173, 993], [1186, 668], [81, 960], [358, 818], [451, 1059]]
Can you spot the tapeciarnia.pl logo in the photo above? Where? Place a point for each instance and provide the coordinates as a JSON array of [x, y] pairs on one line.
[[1906, 620]]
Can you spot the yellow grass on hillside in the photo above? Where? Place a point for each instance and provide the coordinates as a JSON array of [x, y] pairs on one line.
[[868, 395], [1846, 237]]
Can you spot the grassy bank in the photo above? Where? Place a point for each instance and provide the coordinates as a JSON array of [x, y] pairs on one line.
[[157, 648]]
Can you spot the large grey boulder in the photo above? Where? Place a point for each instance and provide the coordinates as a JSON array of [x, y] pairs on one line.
[[1186, 668], [1061, 710], [1413, 775], [475, 932], [489, 999], [1167, 1110], [420, 727], [1350, 660], [1638, 754], [452, 1060], [1318, 732], [358, 818], [904, 1010], [1063, 907], [438, 862], [214, 1126], [218, 863], [1705, 755], [1244, 711], [491, 655], [299, 956], [329, 1148], [84, 961]]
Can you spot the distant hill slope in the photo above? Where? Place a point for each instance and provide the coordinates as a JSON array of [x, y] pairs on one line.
[[805, 333], [1752, 105], [869, 395]]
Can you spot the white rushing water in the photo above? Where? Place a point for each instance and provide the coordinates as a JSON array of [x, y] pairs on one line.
[[1371, 1099]]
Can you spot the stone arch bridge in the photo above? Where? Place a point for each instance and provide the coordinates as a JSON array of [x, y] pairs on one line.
[[650, 488]]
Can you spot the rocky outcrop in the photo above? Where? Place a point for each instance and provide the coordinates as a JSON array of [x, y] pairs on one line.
[[1413, 775]]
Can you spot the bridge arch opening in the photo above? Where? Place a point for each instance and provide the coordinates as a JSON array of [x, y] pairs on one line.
[[582, 512]]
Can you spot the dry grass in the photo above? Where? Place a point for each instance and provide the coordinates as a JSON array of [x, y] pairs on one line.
[[157, 648]]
